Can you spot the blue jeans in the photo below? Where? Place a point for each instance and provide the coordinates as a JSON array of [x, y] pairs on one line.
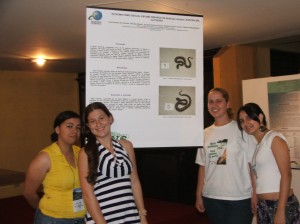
[[228, 212], [40, 218]]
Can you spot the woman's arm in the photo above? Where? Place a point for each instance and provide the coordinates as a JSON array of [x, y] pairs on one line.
[[35, 175], [200, 183], [89, 197], [282, 156], [254, 196], [135, 182]]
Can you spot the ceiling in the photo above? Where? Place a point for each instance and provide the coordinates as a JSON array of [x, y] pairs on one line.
[[56, 28]]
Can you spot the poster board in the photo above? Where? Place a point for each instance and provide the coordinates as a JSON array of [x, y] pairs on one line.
[[279, 98], [147, 68]]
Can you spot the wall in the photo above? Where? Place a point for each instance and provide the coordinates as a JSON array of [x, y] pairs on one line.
[[29, 102], [233, 64]]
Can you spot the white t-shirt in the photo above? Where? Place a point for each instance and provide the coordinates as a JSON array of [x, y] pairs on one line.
[[226, 156], [268, 175]]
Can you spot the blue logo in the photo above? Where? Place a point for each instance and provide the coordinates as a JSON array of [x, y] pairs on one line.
[[97, 15]]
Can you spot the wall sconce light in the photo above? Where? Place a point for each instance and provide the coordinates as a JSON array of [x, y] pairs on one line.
[[39, 61]]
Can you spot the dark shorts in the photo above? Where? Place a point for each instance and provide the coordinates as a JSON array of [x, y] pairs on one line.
[[40, 218], [228, 212], [266, 210]]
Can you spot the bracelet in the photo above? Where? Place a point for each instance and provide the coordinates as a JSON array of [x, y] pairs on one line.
[[143, 212]]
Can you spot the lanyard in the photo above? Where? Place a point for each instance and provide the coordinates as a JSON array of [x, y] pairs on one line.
[[258, 146], [71, 167]]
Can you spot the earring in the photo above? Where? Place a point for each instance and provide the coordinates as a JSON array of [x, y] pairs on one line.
[[262, 128]]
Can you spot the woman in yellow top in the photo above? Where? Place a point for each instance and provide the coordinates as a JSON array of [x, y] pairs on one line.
[[56, 169]]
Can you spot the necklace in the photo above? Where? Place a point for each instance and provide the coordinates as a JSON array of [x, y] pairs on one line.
[[258, 146]]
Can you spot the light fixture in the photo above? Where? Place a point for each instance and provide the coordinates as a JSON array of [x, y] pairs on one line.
[[39, 61]]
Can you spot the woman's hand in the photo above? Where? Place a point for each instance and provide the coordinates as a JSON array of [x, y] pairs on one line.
[[279, 217], [200, 183], [199, 204], [254, 203], [143, 219]]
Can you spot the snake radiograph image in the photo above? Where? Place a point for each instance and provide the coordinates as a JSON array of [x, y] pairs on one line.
[[176, 100], [176, 62]]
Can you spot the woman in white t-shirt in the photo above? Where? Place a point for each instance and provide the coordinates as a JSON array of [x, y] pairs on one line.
[[224, 189], [271, 165]]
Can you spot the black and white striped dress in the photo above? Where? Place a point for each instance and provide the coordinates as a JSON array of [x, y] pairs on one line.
[[113, 187]]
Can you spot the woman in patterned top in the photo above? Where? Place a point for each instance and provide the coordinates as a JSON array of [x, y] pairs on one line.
[[271, 164], [108, 174]]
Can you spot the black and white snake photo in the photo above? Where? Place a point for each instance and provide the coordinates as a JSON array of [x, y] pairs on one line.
[[183, 103], [182, 61]]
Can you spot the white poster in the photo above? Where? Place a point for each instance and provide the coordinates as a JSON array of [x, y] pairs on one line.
[[147, 68], [279, 98], [284, 107]]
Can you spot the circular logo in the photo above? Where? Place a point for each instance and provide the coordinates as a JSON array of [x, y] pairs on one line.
[[97, 15]]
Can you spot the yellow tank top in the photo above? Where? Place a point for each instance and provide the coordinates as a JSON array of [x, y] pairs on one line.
[[58, 185]]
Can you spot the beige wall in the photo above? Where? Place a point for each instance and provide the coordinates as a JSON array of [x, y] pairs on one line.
[[233, 64], [29, 102]]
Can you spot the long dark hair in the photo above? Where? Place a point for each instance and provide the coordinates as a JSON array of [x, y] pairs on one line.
[[253, 111], [60, 118], [90, 146], [225, 95]]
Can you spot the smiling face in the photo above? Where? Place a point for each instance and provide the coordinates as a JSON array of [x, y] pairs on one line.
[[99, 123], [217, 105], [69, 131], [249, 125]]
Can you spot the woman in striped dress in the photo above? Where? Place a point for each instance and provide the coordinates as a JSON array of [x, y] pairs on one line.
[[108, 176]]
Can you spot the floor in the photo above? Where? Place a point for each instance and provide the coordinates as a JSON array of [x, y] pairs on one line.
[[15, 210]]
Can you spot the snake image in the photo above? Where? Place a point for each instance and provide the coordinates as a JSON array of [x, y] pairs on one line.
[[181, 61], [183, 104]]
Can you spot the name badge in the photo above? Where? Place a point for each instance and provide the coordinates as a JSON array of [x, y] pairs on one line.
[[78, 204]]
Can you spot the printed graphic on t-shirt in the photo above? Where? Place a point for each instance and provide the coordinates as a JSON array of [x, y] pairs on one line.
[[217, 152]]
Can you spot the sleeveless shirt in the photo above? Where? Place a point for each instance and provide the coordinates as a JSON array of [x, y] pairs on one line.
[[113, 186], [268, 175], [58, 185]]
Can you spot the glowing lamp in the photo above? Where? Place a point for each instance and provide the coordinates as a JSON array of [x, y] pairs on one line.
[[39, 61]]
